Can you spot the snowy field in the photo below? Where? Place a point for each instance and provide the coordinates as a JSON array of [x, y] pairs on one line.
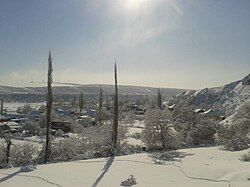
[[137, 127], [202, 167]]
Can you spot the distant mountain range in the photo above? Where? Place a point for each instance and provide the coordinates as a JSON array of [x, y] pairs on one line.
[[228, 96], [91, 89]]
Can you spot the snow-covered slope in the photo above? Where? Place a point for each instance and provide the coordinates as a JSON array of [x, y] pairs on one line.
[[202, 167], [228, 96]]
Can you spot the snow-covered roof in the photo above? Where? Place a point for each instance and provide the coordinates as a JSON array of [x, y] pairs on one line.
[[214, 112], [198, 110], [11, 124]]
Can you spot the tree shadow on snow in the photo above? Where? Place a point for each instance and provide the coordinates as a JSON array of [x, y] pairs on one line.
[[104, 170], [9, 176]]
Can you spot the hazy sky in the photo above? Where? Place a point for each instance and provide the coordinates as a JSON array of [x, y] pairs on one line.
[[166, 43]]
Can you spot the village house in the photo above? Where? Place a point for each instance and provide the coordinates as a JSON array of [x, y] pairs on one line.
[[10, 126], [12, 115], [215, 114], [65, 126], [86, 121]]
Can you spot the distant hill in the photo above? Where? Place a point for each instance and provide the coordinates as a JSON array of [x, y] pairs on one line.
[[91, 89], [228, 96]]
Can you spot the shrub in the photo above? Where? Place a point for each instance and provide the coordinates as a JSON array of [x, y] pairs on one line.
[[159, 132], [231, 138], [234, 134], [245, 157], [202, 133], [130, 181], [194, 129], [2, 155], [64, 149], [237, 144], [136, 136], [23, 154], [167, 155]]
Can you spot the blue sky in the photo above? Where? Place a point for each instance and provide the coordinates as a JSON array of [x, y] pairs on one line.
[[162, 43]]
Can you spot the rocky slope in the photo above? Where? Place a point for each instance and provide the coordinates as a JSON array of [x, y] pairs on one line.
[[227, 97]]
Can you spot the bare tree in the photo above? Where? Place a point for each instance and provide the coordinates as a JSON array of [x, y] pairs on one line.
[[107, 103], [159, 99], [159, 130], [49, 106], [115, 115], [1, 111], [74, 101], [7, 137], [81, 102], [100, 106]]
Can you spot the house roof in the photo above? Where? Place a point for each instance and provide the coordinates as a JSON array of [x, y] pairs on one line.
[[11, 124], [214, 112]]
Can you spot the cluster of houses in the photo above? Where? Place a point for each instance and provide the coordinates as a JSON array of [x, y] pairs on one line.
[[12, 121], [216, 114]]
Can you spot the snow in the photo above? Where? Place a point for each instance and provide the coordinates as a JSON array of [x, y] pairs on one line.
[[204, 167], [137, 127], [137, 124]]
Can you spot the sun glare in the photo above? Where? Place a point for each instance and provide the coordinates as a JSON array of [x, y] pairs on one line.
[[135, 4]]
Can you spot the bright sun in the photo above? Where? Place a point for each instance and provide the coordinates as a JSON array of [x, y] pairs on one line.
[[135, 4]]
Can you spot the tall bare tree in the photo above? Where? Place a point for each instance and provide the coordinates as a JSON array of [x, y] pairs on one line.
[[159, 99], [107, 103], [81, 102], [1, 111], [115, 114], [100, 106], [49, 106], [6, 136], [74, 102]]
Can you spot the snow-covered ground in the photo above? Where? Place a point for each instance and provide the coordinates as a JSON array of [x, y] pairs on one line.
[[137, 127], [202, 167]]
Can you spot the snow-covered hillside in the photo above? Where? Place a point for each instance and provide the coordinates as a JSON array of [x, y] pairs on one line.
[[204, 167], [228, 96]]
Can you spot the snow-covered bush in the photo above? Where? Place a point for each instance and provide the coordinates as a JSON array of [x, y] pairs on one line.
[[230, 137], [194, 129], [2, 155], [59, 133], [245, 157], [129, 117], [64, 149], [31, 127], [202, 133], [28, 168], [96, 140], [129, 181], [136, 136], [127, 149], [234, 135], [23, 154], [167, 156], [159, 132]]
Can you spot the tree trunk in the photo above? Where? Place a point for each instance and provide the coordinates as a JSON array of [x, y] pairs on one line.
[[9, 143], [162, 138], [1, 111], [100, 106], [159, 99], [115, 115], [49, 106]]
